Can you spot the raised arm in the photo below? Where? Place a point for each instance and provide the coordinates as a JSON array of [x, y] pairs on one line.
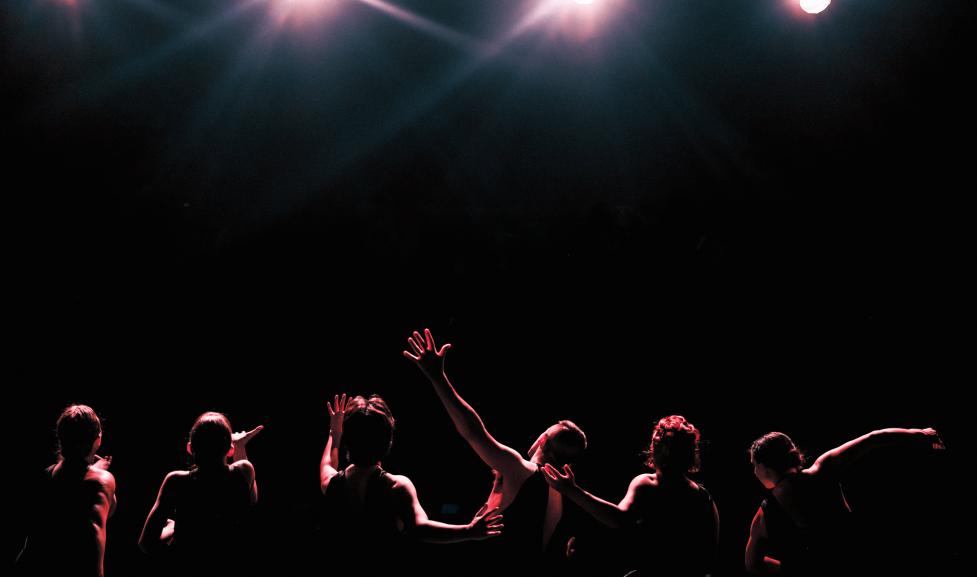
[[485, 524], [604, 511], [430, 360], [239, 441], [329, 464], [838, 460]]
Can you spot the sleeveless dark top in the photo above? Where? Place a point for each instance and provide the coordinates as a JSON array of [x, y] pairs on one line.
[[823, 545], [363, 534], [211, 514], [521, 543], [675, 533]]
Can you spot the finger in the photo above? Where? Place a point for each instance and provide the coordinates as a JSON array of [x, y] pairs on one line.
[[444, 348], [411, 357], [416, 346], [429, 338], [420, 340]]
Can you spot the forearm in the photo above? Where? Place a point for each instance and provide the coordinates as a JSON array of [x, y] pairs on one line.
[[464, 417], [330, 456], [437, 532], [770, 566], [240, 453], [603, 511], [894, 435], [759, 564]]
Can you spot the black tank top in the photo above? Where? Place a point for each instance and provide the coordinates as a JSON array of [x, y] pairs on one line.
[[675, 533], [211, 515], [521, 542], [365, 534], [822, 545]]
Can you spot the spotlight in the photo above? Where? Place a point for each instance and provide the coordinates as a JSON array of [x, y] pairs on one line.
[[814, 6]]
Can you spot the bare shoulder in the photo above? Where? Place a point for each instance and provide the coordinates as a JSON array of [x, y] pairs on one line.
[[103, 478], [645, 481], [244, 467], [176, 476], [401, 483]]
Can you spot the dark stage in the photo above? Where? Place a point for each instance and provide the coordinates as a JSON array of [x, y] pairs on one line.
[[615, 211]]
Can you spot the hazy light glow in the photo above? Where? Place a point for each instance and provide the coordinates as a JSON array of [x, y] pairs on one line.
[[422, 24], [814, 6], [298, 11]]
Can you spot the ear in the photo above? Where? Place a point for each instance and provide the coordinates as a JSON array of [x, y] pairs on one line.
[[97, 443], [189, 448], [230, 452]]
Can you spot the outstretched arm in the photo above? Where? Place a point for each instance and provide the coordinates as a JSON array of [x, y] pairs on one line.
[[839, 459], [485, 524], [469, 424], [329, 464], [604, 511]]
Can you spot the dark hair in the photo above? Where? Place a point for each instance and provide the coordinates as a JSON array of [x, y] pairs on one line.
[[210, 436], [566, 444], [368, 430], [777, 451], [78, 427], [674, 446]]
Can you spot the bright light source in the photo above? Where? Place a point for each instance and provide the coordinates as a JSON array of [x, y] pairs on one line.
[[814, 6]]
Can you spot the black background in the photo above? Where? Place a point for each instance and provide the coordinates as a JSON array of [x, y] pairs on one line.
[[725, 210]]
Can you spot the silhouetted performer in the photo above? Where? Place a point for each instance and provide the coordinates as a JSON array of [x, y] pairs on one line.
[[67, 528], [802, 527], [532, 509], [368, 511], [200, 515], [671, 523]]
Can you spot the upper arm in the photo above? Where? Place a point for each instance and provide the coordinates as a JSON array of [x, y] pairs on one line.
[[837, 460], [161, 510], [493, 453], [326, 473], [638, 488], [247, 471], [325, 477], [756, 543], [715, 519], [409, 507], [105, 504]]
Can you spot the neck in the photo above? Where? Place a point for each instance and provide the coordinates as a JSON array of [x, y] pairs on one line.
[[670, 476], [786, 475]]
